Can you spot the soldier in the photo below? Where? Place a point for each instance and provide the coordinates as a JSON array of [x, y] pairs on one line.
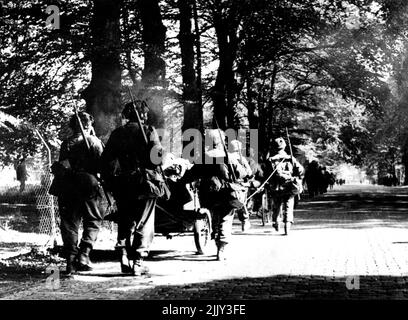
[[236, 156], [124, 161], [22, 174], [323, 180], [78, 192], [214, 190], [284, 185], [255, 202], [312, 178]]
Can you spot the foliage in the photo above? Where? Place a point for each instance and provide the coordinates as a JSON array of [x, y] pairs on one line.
[[332, 72]]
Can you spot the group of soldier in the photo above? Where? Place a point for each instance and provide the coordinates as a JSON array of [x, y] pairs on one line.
[[88, 172], [318, 179]]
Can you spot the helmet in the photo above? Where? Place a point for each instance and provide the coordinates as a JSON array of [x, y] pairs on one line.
[[86, 120], [129, 110], [280, 143], [236, 146]]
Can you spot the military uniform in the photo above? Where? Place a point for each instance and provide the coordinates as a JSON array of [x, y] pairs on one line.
[[125, 157], [236, 157], [214, 176], [79, 197], [288, 175]]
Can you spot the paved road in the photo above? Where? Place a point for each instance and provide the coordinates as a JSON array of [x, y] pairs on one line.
[[351, 243]]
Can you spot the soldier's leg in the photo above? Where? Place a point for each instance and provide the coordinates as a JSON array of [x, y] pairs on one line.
[[276, 208], [89, 236], [243, 216], [70, 222], [143, 234], [216, 222], [225, 220], [287, 208], [245, 223], [125, 228]]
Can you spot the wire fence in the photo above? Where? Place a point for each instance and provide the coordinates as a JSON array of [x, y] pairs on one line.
[[27, 208]]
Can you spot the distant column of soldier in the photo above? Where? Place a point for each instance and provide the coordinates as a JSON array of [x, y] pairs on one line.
[[319, 180]]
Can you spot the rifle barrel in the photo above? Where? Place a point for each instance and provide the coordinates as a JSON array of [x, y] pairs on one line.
[[139, 121], [231, 169]]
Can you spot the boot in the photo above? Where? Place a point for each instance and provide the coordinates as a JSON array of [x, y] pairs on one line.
[[83, 257], [221, 253], [138, 267], [275, 225], [124, 262], [287, 227], [246, 225], [71, 265]]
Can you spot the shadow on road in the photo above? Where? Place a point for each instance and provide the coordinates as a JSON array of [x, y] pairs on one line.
[[280, 287], [286, 287]]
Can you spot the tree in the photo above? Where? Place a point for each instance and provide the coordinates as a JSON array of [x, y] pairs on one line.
[[39, 66], [154, 72], [102, 96], [193, 114]]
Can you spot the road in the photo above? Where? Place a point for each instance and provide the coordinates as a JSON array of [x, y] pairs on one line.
[[351, 243]]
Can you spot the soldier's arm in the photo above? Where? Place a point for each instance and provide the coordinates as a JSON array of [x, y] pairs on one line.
[[298, 169], [249, 172], [96, 149], [63, 154], [108, 157], [96, 146]]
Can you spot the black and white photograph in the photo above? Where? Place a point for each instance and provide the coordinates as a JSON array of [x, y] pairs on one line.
[[203, 154]]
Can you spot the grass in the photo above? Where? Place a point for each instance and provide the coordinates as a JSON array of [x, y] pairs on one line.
[[12, 194], [18, 210]]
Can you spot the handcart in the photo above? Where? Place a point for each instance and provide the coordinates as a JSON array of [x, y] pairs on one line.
[[182, 213]]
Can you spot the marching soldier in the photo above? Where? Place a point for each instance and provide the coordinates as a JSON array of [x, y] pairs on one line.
[[124, 161], [236, 156], [284, 185], [215, 190], [78, 190]]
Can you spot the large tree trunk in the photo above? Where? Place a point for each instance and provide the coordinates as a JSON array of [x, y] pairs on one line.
[[154, 72], [224, 90], [198, 53], [253, 119], [193, 114], [102, 96]]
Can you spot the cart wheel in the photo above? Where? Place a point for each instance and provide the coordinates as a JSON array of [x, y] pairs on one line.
[[202, 233]]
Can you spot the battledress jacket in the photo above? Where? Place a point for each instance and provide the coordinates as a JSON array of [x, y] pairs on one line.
[[75, 173], [213, 175], [126, 153], [287, 169]]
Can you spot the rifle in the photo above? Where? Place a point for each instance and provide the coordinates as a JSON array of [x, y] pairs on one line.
[[88, 147], [290, 145], [265, 182], [291, 153], [230, 168], [139, 121]]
